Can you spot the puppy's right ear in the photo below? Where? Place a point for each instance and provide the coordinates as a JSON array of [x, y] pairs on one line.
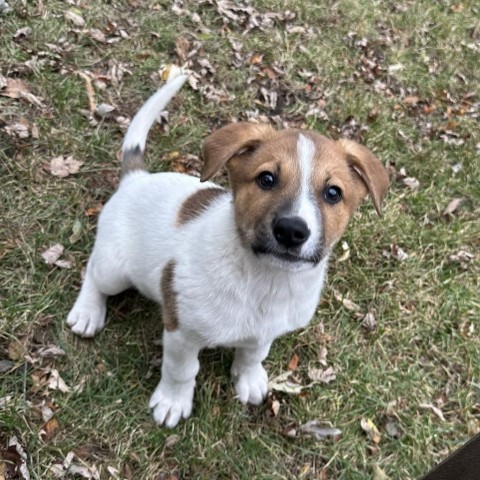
[[230, 141]]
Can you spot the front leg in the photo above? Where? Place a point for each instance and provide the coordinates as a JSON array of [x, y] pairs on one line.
[[251, 379], [173, 397]]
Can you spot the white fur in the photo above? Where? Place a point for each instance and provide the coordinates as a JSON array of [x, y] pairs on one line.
[[226, 296], [138, 130]]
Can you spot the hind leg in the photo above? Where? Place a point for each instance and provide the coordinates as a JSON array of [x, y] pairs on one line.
[[103, 278]]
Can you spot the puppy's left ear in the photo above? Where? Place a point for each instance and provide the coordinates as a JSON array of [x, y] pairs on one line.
[[231, 141], [369, 169]]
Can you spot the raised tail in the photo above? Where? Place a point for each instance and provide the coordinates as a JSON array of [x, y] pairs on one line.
[[133, 148]]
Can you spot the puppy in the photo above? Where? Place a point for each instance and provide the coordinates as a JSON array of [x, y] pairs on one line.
[[232, 269]]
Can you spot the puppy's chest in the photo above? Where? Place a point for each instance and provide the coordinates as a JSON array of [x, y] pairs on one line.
[[237, 311]]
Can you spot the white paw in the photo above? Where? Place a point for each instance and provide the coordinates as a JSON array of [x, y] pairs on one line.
[[251, 384], [86, 322], [170, 403]]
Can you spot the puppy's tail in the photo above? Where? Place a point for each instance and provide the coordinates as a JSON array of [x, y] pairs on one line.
[[133, 148]]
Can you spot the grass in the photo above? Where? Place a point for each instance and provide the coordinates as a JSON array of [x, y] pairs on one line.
[[425, 347]]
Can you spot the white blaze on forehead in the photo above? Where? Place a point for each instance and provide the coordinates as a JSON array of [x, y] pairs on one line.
[[306, 206]]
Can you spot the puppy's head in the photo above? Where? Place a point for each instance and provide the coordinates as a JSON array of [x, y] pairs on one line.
[[294, 190]]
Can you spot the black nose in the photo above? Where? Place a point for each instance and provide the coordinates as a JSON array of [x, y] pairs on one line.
[[290, 231]]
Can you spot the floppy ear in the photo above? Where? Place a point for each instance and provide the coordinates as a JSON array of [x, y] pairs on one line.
[[230, 141], [369, 169]]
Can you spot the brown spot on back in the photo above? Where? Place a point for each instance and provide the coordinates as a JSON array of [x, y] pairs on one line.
[[132, 160], [169, 297], [197, 203]]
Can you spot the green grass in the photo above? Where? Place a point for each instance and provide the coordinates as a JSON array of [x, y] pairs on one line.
[[425, 347]]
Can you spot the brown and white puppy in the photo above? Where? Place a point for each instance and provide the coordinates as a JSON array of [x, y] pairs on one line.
[[234, 269]]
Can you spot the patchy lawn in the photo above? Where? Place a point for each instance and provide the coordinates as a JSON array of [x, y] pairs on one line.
[[395, 338]]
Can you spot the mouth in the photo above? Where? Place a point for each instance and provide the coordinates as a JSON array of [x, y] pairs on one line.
[[286, 256]]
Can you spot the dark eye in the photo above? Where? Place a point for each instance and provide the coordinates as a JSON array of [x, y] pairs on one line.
[[266, 180], [332, 195]]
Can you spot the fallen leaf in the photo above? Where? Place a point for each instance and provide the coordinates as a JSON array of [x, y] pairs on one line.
[[371, 430], [411, 182], [293, 363], [322, 375], [411, 100], [452, 207], [52, 254], [378, 473], [13, 87], [369, 322], [392, 429], [320, 430], [322, 356], [347, 303], [76, 231], [434, 409], [22, 33], [281, 384], [346, 252], [75, 18], [398, 253], [16, 350], [56, 382], [50, 351], [104, 109], [20, 458], [49, 429], [171, 440], [275, 407], [462, 256], [18, 130], [64, 166]]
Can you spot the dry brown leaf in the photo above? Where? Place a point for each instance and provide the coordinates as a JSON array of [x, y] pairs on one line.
[[452, 207], [90, 91], [94, 211], [64, 166], [293, 363], [49, 429], [321, 375], [411, 100], [256, 58], [13, 87], [371, 430]]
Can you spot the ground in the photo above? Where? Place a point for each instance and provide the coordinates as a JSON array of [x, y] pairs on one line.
[[394, 344]]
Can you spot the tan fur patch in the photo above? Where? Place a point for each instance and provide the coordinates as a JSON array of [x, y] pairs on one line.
[[132, 160], [197, 203], [169, 297], [253, 206], [332, 169]]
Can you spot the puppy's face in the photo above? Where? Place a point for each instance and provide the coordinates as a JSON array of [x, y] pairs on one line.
[[294, 190]]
